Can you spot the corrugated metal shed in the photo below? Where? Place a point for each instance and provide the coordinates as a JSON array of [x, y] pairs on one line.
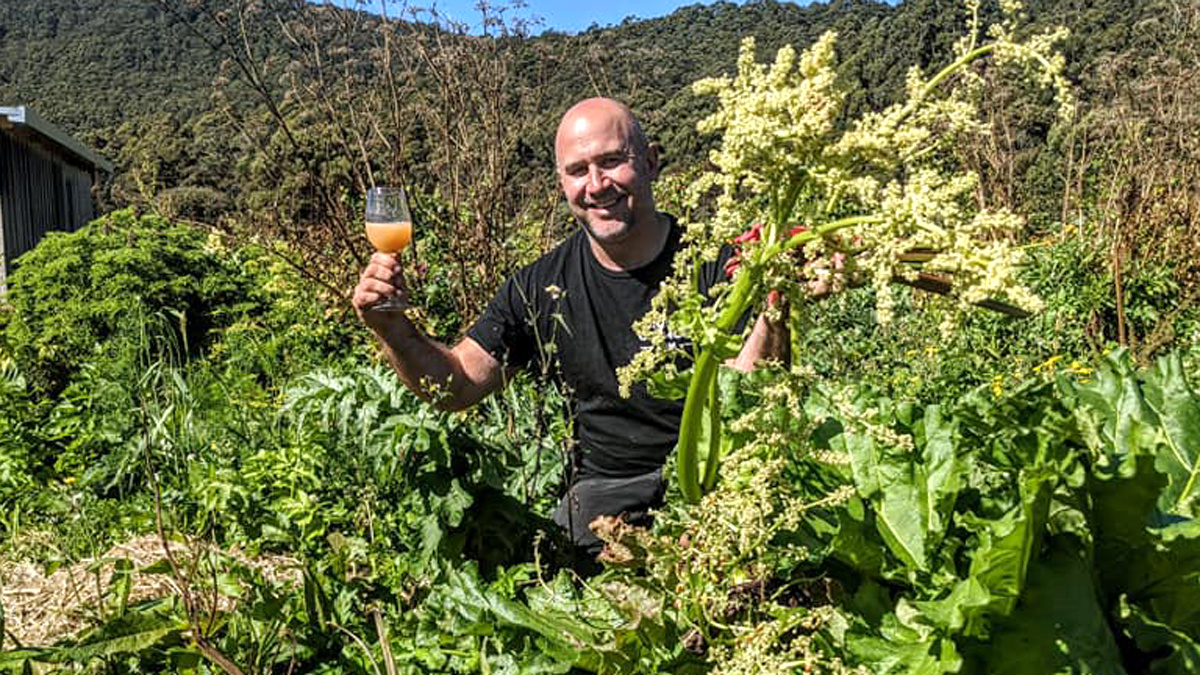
[[46, 180]]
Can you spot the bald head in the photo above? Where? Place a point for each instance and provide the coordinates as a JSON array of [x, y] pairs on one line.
[[596, 114], [606, 170]]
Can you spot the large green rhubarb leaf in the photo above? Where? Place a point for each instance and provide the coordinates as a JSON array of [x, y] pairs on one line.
[[1178, 653], [1008, 545], [1121, 415], [916, 656], [1115, 418], [1168, 393], [894, 484], [942, 469], [1150, 566], [1057, 627]]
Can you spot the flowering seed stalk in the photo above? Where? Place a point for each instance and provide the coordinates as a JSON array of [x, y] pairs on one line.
[[889, 182]]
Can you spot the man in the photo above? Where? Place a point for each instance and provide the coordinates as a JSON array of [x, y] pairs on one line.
[[584, 295]]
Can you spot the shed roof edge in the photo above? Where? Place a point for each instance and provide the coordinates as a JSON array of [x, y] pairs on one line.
[[23, 115]]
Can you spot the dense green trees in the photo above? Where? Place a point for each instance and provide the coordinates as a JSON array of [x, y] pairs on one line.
[[67, 58]]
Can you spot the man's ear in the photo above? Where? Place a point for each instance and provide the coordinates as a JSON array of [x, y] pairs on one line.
[[654, 159]]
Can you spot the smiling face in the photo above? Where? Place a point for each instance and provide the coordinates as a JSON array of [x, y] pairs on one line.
[[606, 169]]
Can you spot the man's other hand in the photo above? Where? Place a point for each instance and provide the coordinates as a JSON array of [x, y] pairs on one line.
[[826, 276]]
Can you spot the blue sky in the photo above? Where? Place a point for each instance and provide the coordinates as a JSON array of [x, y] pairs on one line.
[[576, 16], [564, 15], [561, 15]]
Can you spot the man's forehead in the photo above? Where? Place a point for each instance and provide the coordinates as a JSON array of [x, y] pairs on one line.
[[598, 110], [583, 129], [596, 121]]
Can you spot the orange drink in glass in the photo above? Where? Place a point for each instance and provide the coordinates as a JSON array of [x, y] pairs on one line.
[[389, 229]]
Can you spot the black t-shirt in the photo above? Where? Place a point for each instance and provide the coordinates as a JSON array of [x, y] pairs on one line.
[[588, 311]]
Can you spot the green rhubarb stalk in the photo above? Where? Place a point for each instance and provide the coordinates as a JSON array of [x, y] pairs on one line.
[[714, 437], [702, 394], [688, 469]]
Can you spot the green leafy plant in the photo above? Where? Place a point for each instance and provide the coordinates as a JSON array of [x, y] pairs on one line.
[[1047, 530], [76, 291]]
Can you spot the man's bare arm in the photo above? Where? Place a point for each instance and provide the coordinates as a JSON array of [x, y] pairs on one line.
[[769, 341], [449, 378]]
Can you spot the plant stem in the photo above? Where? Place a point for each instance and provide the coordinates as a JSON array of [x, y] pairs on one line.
[[701, 394], [689, 426], [821, 231], [936, 80], [714, 438]]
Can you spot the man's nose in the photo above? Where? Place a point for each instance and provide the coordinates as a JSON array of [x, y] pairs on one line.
[[597, 178]]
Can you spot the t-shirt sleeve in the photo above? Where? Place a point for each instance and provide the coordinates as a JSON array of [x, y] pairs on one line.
[[713, 273], [503, 330]]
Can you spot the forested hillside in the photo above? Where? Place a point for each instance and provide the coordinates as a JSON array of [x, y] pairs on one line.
[[209, 107], [112, 71], [91, 65]]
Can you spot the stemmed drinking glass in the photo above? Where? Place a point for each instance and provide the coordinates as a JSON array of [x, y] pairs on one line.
[[390, 229]]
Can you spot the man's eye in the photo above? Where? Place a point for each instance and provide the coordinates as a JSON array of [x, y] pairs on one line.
[[612, 161], [575, 170]]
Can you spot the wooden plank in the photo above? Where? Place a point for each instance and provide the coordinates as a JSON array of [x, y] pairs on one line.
[[940, 284]]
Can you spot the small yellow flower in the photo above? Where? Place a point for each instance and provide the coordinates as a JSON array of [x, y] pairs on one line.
[[1048, 366], [998, 386], [68, 480]]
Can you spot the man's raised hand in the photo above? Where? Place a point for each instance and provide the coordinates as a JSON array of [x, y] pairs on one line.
[[381, 279]]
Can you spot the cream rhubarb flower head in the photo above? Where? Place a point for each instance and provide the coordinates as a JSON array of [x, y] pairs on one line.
[[872, 191]]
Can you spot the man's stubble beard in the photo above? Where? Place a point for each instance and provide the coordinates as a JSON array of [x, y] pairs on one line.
[[612, 237], [627, 221]]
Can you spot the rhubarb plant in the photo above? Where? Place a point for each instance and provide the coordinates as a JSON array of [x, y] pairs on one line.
[[882, 195]]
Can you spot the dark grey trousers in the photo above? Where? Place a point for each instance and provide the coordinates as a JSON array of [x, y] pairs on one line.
[[631, 497]]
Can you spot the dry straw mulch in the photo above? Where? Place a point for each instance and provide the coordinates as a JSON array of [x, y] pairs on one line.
[[43, 609]]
